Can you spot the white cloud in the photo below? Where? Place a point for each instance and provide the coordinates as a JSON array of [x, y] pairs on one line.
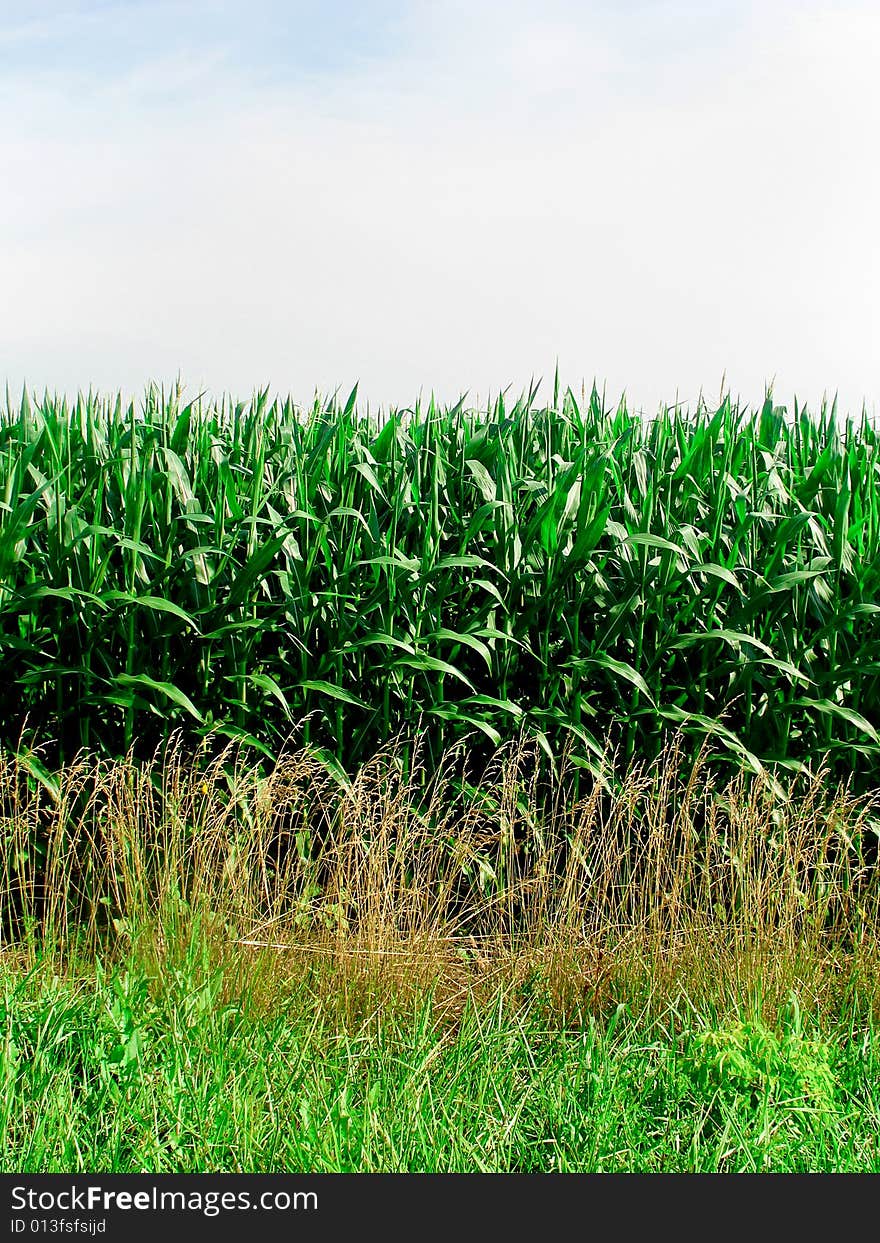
[[513, 183]]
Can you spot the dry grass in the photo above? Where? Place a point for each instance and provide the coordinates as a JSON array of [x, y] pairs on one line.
[[654, 883]]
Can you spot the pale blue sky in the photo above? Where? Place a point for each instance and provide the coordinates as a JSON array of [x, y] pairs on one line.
[[441, 196]]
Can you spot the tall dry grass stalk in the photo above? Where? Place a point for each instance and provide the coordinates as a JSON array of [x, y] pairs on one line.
[[654, 877]]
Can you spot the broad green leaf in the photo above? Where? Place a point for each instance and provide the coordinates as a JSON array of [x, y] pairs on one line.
[[453, 713], [143, 681], [645, 540], [842, 713], [432, 664], [618, 667], [457, 636], [155, 603], [334, 692], [732, 637], [482, 479], [270, 687], [716, 571]]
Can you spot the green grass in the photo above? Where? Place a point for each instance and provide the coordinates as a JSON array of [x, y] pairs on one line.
[[250, 569], [408, 990], [181, 1073]]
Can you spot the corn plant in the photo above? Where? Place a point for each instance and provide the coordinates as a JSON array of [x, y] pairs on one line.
[[570, 571]]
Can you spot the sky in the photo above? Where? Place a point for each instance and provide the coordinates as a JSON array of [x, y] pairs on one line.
[[668, 197]]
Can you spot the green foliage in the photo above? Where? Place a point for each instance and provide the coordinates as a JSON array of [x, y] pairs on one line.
[[181, 1073], [748, 1061], [570, 571]]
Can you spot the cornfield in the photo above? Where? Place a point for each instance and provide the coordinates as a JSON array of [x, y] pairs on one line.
[[568, 572]]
